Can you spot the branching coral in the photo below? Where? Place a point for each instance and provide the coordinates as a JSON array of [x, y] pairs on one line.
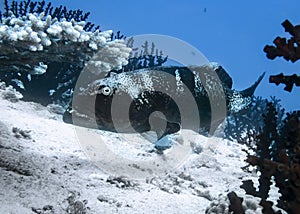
[[289, 81], [22, 8], [143, 57], [44, 49], [289, 50], [278, 157], [278, 143], [30, 42]]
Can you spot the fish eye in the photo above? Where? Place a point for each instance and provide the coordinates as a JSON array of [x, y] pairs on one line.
[[106, 90]]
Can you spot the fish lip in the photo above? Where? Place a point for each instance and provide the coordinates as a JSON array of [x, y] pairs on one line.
[[78, 118]]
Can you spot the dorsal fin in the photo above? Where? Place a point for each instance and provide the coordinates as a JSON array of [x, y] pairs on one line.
[[224, 77], [250, 91]]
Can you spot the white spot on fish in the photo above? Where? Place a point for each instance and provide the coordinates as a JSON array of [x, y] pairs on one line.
[[179, 83], [237, 102], [134, 84], [198, 87]]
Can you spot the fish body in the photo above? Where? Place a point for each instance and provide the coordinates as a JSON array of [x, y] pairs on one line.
[[163, 99]]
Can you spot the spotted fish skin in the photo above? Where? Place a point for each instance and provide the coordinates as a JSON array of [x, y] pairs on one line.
[[138, 94]]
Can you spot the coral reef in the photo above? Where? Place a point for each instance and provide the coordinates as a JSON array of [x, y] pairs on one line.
[[30, 43], [43, 50], [36, 37], [277, 156]]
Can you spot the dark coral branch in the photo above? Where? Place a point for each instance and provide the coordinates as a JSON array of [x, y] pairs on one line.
[[32, 7], [117, 36], [47, 9], [40, 7], [267, 207], [288, 81], [283, 163], [25, 9], [140, 59], [235, 203], [289, 49], [14, 8], [6, 8]]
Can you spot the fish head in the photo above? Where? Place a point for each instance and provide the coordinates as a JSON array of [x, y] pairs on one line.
[[103, 104]]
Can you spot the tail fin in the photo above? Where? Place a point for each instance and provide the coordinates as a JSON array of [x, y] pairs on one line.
[[250, 91]]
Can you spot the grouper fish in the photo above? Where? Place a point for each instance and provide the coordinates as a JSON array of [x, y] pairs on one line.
[[162, 99]]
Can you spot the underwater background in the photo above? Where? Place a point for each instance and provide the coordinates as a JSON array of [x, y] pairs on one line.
[[250, 164]]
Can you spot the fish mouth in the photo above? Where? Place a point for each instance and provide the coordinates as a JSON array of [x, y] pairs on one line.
[[85, 120], [99, 122]]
